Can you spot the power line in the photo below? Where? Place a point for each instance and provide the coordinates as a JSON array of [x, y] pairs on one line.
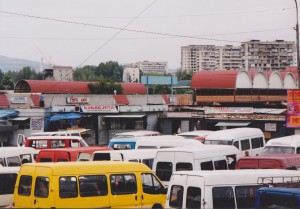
[[115, 28], [138, 38], [115, 35]]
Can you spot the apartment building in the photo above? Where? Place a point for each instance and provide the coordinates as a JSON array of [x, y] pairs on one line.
[[59, 73], [198, 57], [273, 55], [131, 74], [228, 57]]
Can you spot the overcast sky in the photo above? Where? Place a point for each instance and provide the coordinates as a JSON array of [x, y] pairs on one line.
[[88, 32]]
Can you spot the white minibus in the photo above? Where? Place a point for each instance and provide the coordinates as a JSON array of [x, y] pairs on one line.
[[150, 142], [249, 140], [199, 135], [283, 145], [213, 157], [16, 156], [165, 141], [145, 156], [222, 189], [8, 177]]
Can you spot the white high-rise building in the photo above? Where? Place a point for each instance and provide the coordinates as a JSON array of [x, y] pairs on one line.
[[269, 55], [131, 74], [228, 57]]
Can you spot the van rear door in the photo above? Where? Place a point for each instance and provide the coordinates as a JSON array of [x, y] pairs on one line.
[[195, 192], [42, 197], [24, 188]]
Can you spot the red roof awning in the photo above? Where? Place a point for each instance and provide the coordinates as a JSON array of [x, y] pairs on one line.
[[121, 99], [133, 88], [4, 101]]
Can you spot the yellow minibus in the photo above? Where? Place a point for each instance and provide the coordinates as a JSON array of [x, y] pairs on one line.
[[94, 184]]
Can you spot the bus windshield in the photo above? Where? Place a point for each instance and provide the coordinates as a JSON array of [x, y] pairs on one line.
[[278, 150], [220, 142]]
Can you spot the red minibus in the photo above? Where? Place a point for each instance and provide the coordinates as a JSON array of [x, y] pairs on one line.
[[271, 161], [68, 154]]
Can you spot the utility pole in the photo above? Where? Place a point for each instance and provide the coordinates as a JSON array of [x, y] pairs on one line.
[[297, 43]]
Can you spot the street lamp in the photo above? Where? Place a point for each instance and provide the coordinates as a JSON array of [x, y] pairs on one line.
[[297, 43]]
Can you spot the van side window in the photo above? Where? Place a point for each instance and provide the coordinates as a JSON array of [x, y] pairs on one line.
[[193, 198], [123, 184], [245, 196], [256, 143], [151, 185], [298, 150], [223, 197], [245, 144], [26, 158], [147, 147], [75, 143], [13, 161], [68, 187], [7, 182], [25, 185], [220, 165], [236, 144], [2, 162], [278, 201], [184, 167], [148, 162], [93, 186], [41, 188], [38, 143], [44, 160], [164, 170], [208, 166], [176, 198]]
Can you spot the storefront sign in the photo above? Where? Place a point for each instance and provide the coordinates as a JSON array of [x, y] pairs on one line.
[[293, 120], [270, 126], [100, 108], [77, 100], [222, 110], [37, 124], [18, 100], [296, 96], [290, 97]]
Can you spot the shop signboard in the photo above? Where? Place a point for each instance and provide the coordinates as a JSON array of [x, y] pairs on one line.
[[270, 127], [293, 109], [228, 110], [37, 124], [77, 100], [18, 100], [99, 108]]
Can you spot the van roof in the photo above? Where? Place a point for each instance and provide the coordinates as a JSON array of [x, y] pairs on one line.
[[281, 190], [55, 133], [284, 141], [9, 169], [76, 149], [204, 151], [273, 157], [177, 142], [53, 137], [89, 167], [136, 134], [13, 151], [237, 177], [195, 133], [230, 134], [143, 138]]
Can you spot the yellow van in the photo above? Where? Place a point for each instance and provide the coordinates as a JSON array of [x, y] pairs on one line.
[[94, 184]]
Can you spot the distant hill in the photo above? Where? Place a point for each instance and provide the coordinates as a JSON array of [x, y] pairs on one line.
[[15, 64]]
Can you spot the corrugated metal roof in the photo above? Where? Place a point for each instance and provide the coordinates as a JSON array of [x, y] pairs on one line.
[[4, 101], [35, 99], [133, 88], [221, 79], [121, 99], [43, 86]]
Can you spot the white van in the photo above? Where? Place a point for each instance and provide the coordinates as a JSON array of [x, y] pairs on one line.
[[8, 177], [222, 189], [165, 141], [16, 156], [249, 140], [145, 156], [134, 134], [199, 135], [213, 157], [283, 145]]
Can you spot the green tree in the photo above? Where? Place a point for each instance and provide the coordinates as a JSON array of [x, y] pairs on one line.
[[7, 83], [183, 75], [105, 86], [111, 70]]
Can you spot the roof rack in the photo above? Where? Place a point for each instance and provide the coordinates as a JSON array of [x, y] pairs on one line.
[[280, 181]]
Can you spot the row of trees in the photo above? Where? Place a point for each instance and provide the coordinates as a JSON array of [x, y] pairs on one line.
[[105, 78]]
